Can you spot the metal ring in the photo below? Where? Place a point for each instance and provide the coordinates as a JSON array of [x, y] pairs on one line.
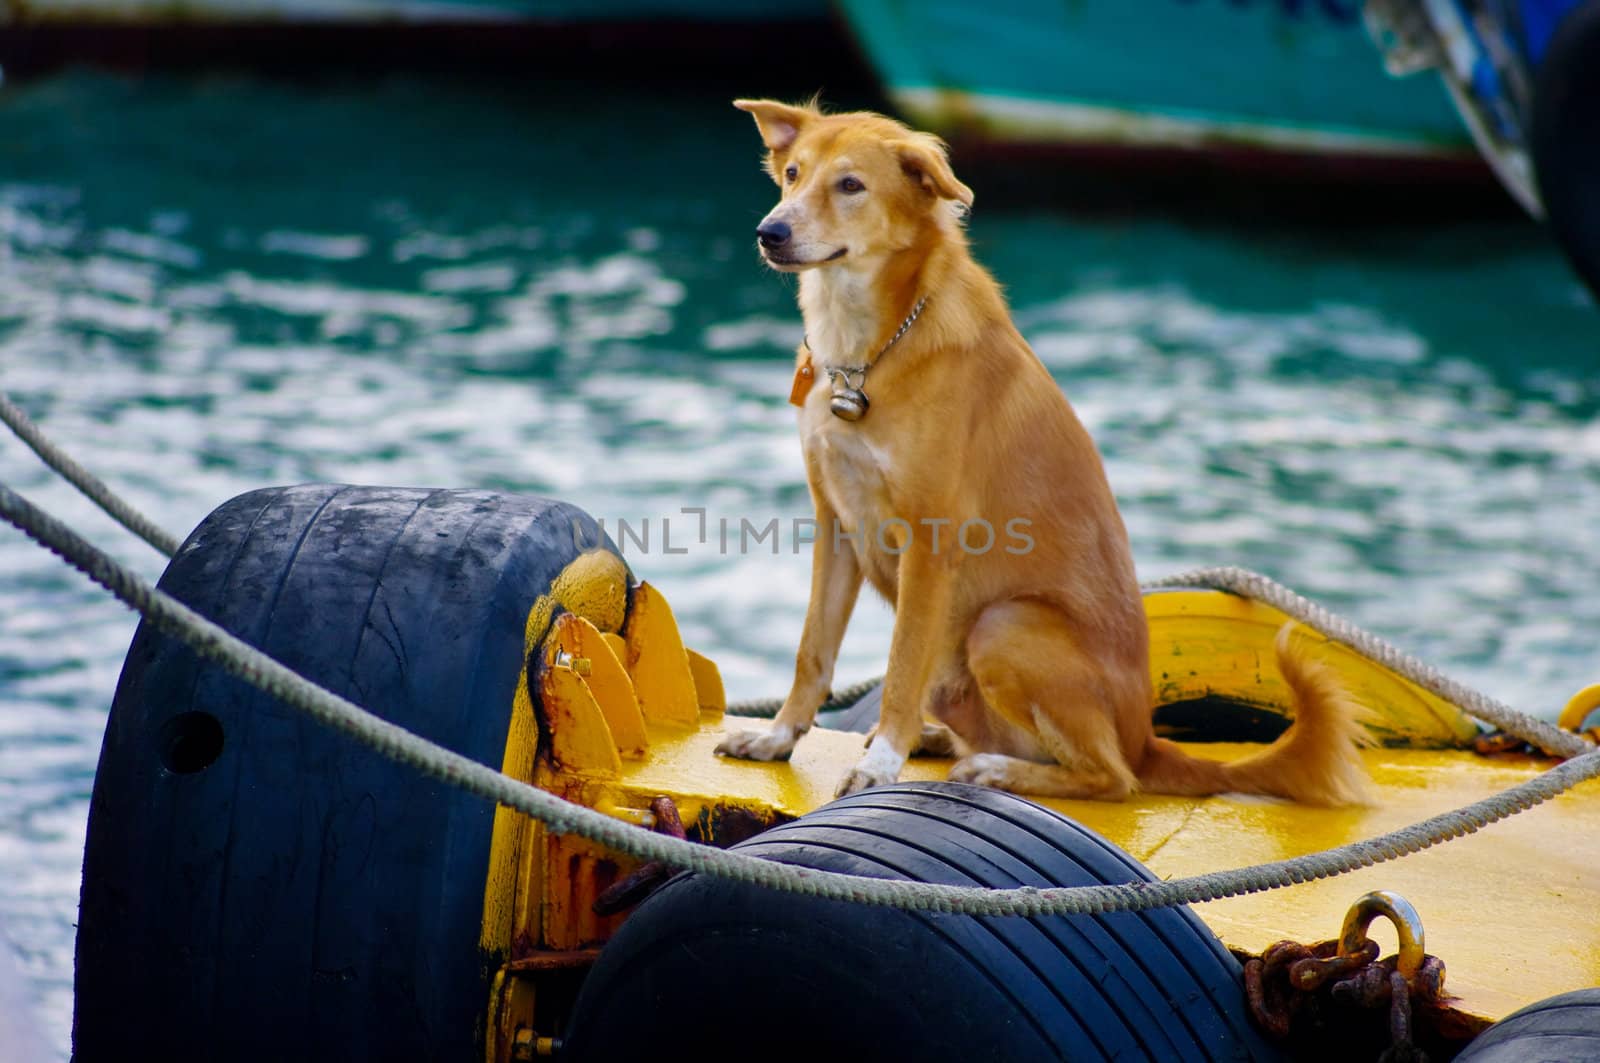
[[1578, 709], [1407, 926]]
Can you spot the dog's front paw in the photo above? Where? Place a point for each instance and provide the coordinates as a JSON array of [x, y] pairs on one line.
[[983, 769], [776, 744], [863, 778], [880, 767]]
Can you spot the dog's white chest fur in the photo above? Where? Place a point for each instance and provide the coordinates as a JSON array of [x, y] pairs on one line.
[[841, 316], [856, 474], [855, 464]]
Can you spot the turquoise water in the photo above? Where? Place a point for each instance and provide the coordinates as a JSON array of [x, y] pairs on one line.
[[215, 283]]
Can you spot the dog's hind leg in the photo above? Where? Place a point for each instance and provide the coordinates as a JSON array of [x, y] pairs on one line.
[[936, 740], [1032, 675]]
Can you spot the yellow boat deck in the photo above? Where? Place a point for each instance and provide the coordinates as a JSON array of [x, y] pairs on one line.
[[1511, 910], [631, 715]]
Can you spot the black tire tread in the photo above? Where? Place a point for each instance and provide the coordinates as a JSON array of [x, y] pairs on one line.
[[1564, 1028], [1161, 964], [1149, 985]]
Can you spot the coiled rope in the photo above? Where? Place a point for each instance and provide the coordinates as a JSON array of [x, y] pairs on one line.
[[239, 658]]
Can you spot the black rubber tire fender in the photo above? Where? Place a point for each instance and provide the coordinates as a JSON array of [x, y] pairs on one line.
[[259, 887], [726, 970], [1560, 1029]]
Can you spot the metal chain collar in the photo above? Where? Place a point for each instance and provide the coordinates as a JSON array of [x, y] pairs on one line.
[[850, 400]]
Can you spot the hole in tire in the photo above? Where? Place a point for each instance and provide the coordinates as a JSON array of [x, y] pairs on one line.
[[190, 742]]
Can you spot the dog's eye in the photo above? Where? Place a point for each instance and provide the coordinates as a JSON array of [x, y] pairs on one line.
[[850, 186], [792, 172]]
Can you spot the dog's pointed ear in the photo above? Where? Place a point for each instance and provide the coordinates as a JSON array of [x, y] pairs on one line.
[[779, 123], [924, 160]]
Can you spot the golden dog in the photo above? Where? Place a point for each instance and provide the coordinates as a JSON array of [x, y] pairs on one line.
[[947, 469]]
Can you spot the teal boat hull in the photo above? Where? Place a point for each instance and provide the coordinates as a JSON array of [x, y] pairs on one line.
[[1280, 76]]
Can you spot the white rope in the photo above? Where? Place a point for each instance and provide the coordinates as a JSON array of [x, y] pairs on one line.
[[1254, 585], [84, 480], [212, 642], [766, 708], [1240, 581]]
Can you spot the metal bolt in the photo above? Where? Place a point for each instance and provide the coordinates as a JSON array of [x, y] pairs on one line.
[[527, 1046], [580, 665]]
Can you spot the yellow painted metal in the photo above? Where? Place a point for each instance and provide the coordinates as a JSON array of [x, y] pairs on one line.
[[658, 662], [593, 586], [1213, 644], [1582, 705], [576, 873], [580, 739], [596, 689], [707, 684], [512, 1010], [606, 679], [1510, 910], [502, 882]]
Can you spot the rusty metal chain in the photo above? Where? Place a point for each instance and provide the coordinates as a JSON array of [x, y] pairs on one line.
[[1298, 992]]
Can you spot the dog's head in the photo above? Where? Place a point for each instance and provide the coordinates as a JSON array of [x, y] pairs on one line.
[[854, 186]]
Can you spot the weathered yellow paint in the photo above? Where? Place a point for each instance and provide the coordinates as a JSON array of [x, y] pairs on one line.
[[580, 739], [511, 1004], [500, 885], [593, 586], [607, 680], [578, 871], [707, 684], [658, 662], [1209, 643], [528, 911]]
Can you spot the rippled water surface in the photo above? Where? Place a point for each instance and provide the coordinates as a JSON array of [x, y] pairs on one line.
[[212, 284]]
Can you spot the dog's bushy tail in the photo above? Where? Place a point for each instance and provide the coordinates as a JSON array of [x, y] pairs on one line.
[[1315, 762]]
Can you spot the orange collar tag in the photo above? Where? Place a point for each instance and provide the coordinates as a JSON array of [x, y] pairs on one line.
[[803, 377]]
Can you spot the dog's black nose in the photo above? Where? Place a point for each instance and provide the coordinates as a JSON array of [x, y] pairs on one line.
[[772, 233]]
